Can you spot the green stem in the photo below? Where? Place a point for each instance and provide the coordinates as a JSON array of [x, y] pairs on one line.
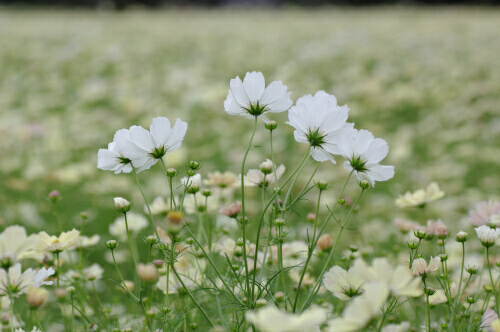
[[207, 222], [121, 278], [491, 279], [311, 249], [37, 321], [243, 222], [73, 313], [320, 278], [147, 204], [130, 241], [459, 288], [58, 269], [56, 213], [427, 306], [191, 296]]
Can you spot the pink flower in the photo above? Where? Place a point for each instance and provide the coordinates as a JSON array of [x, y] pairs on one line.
[[484, 210], [231, 210]]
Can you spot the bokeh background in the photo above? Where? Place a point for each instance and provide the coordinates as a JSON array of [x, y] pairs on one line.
[[427, 80]]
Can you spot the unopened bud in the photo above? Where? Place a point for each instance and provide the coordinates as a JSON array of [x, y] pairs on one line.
[[111, 244], [266, 167], [271, 125], [443, 257], [54, 196], [147, 272], [207, 192], [151, 240], [36, 296], [364, 184], [420, 234], [462, 236], [279, 296], [71, 290], [260, 303], [194, 165], [280, 222], [322, 185], [190, 173], [324, 242], [122, 205], [471, 270], [171, 172]]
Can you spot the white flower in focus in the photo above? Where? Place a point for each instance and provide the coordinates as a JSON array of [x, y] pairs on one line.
[[488, 236], [255, 177], [321, 123], [15, 246], [272, 319], [18, 283], [420, 197], [113, 158], [59, 243], [147, 147], [136, 223], [251, 98], [420, 268], [343, 284], [360, 311], [399, 280], [484, 210], [364, 152], [121, 204]]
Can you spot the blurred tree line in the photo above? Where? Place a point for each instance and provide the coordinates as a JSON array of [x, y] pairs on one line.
[[122, 4]]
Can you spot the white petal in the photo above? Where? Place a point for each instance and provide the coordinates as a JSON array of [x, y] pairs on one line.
[[319, 154], [254, 84], [231, 106], [239, 92], [276, 98], [177, 134], [377, 151], [160, 130], [381, 172], [107, 160], [141, 138]]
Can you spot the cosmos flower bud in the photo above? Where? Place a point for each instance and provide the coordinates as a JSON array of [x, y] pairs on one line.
[[488, 289], [324, 242], [261, 303], [122, 205], [441, 231], [341, 201], [271, 125], [239, 242], [36, 296], [279, 296], [193, 326], [207, 192], [166, 310], [130, 285], [171, 172], [190, 172], [174, 219], [71, 290], [60, 293], [158, 263], [280, 222], [462, 236], [147, 272], [364, 184], [5, 320], [111, 244], [194, 165], [311, 217], [238, 251], [266, 167], [353, 248], [54, 196], [151, 240], [444, 257], [471, 299], [471, 270], [412, 245], [420, 234], [322, 185]]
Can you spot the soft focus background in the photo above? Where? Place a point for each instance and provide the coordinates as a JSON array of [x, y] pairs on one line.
[[425, 80]]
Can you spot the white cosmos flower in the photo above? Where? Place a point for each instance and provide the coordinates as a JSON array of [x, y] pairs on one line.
[[192, 183], [86, 241], [403, 327], [360, 311], [420, 266], [146, 147], [15, 245], [94, 272], [59, 243], [364, 152], [18, 283], [399, 280], [272, 319], [488, 236], [321, 123], [112, 158], [343, 284], [255, 177], [251, 98], [420, 197]]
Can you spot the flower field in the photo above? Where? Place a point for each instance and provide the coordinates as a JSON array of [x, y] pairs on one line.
[[369, 200]]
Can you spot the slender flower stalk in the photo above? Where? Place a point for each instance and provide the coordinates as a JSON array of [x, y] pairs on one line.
[[493, 284], [315, 288], [427, 305], [130, 241], [243, 221], [459, 288]]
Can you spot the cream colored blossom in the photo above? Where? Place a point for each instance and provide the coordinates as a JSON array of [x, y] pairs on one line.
[[399, 280], [420, 267], [255, 177], [420, 197], [361, 310], [86, 241], [344, 284], [52, 243], [15, 246], [16, 282], [272, 319]]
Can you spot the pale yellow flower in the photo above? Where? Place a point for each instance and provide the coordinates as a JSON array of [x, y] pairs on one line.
[[420, 197], [59, 243]]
